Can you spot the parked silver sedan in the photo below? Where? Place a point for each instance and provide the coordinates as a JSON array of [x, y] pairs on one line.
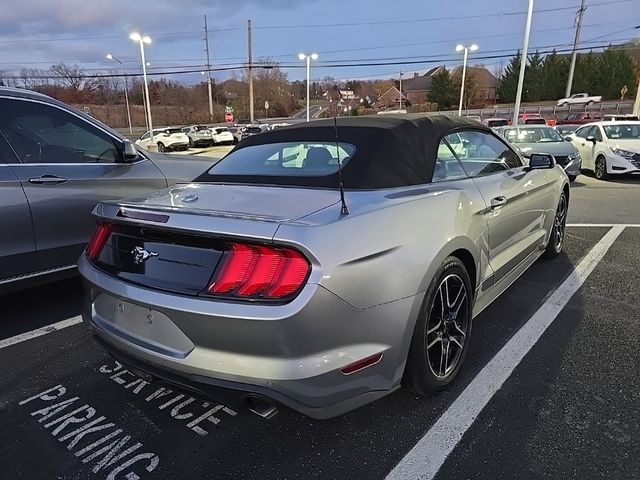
[[543, 139], [323, 265], [56, 163]]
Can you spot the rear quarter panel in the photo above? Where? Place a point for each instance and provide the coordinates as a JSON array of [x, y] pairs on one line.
[[393, 241]]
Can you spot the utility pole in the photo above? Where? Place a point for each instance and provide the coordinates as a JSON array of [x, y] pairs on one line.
[[251, 119], [636, 104], [206, 40], [572, 67]]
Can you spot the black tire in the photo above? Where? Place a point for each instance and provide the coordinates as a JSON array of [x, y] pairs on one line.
[[572, 178], [161, 147], [429, 341], [556, 239], [600, 168]]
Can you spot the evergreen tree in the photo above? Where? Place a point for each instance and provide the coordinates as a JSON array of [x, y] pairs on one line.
[[553, 77], [442, 90], [532, 89], [509, 81], [585, 74], [615, 69]]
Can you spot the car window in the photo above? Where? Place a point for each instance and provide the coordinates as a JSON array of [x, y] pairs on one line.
[[40, 133], [447, 166], [623, 131], [288, 158], [597, 134], [145, 136], [584, 132], [483, 153]]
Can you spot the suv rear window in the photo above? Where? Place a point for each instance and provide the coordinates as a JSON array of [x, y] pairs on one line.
[[306, 159]]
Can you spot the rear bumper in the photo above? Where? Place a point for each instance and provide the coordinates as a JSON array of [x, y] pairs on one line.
[[291, 354]]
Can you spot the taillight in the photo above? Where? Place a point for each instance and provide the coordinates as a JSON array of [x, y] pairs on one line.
[[98, 240], [258, 271]]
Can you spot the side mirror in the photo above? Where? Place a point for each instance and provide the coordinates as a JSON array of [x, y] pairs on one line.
[[130, 152], [591, 139], [541, 161], [568, 139]]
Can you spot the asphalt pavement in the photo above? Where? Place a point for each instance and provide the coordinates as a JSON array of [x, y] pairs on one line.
[[566, 409]]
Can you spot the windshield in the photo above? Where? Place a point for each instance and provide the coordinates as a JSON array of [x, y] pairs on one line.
[[532, 135], [308, 159], [497, 123], [623, 131]]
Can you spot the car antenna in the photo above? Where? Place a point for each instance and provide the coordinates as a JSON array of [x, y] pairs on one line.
[[344, 210]]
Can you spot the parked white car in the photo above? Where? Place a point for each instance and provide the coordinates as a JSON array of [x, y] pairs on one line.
[[579, 99], [166, 139], [222, 136], [609, 148]]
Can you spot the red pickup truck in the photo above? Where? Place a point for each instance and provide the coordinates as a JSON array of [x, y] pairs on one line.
[[579, 118]]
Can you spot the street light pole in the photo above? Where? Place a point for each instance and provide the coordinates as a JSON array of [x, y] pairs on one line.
[[308, 58], [126, 90], [136, 37], [523, 64], [400, 85], [466, 49]]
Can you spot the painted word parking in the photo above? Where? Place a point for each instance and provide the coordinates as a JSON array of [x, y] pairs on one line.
[[178, 401], [107, 449]]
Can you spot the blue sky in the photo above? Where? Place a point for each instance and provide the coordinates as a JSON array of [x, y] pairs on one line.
[[36, 33]]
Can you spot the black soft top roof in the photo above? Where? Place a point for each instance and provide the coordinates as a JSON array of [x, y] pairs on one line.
[[391, 150]]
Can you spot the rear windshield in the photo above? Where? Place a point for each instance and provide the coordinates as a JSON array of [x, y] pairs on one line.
[[535, 121], [220, 130], [532, 135], [174, 130], [285, 159], [497, 123], [253, 130]]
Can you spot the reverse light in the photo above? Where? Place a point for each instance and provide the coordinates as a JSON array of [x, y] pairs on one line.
[[98, 240], [259, 271]]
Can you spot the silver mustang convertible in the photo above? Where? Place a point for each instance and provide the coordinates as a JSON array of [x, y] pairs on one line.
[[322, 266]]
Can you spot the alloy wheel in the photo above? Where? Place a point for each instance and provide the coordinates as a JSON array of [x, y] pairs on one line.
[[601, 168], [448, 326], [559, 223]]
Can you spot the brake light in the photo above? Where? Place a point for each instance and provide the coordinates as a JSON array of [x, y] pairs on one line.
[[258, 271], [99, 238]]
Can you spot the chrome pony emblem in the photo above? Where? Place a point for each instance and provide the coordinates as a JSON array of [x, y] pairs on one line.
[[140, 255]]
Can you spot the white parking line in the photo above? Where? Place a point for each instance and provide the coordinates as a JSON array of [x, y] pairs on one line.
[[625, 225], [425, 459], [38, 332]]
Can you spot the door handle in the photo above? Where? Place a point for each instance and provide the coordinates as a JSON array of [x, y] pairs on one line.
[[47, 180], [498, 201]]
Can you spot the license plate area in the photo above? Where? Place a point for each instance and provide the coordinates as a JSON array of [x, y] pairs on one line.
[[145, 327]]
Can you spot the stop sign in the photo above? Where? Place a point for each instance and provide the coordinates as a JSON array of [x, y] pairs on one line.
[[228, 117]]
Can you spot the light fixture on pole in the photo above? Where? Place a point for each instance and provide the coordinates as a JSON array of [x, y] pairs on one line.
[[460, 48], [523, 63], [126, 89], [308, 58], [136, 37]]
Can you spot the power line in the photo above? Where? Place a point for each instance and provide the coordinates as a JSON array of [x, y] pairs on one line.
[[421, 61]]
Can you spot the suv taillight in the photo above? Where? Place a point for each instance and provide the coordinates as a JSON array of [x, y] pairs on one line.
[[96, 244], [259, 271]]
